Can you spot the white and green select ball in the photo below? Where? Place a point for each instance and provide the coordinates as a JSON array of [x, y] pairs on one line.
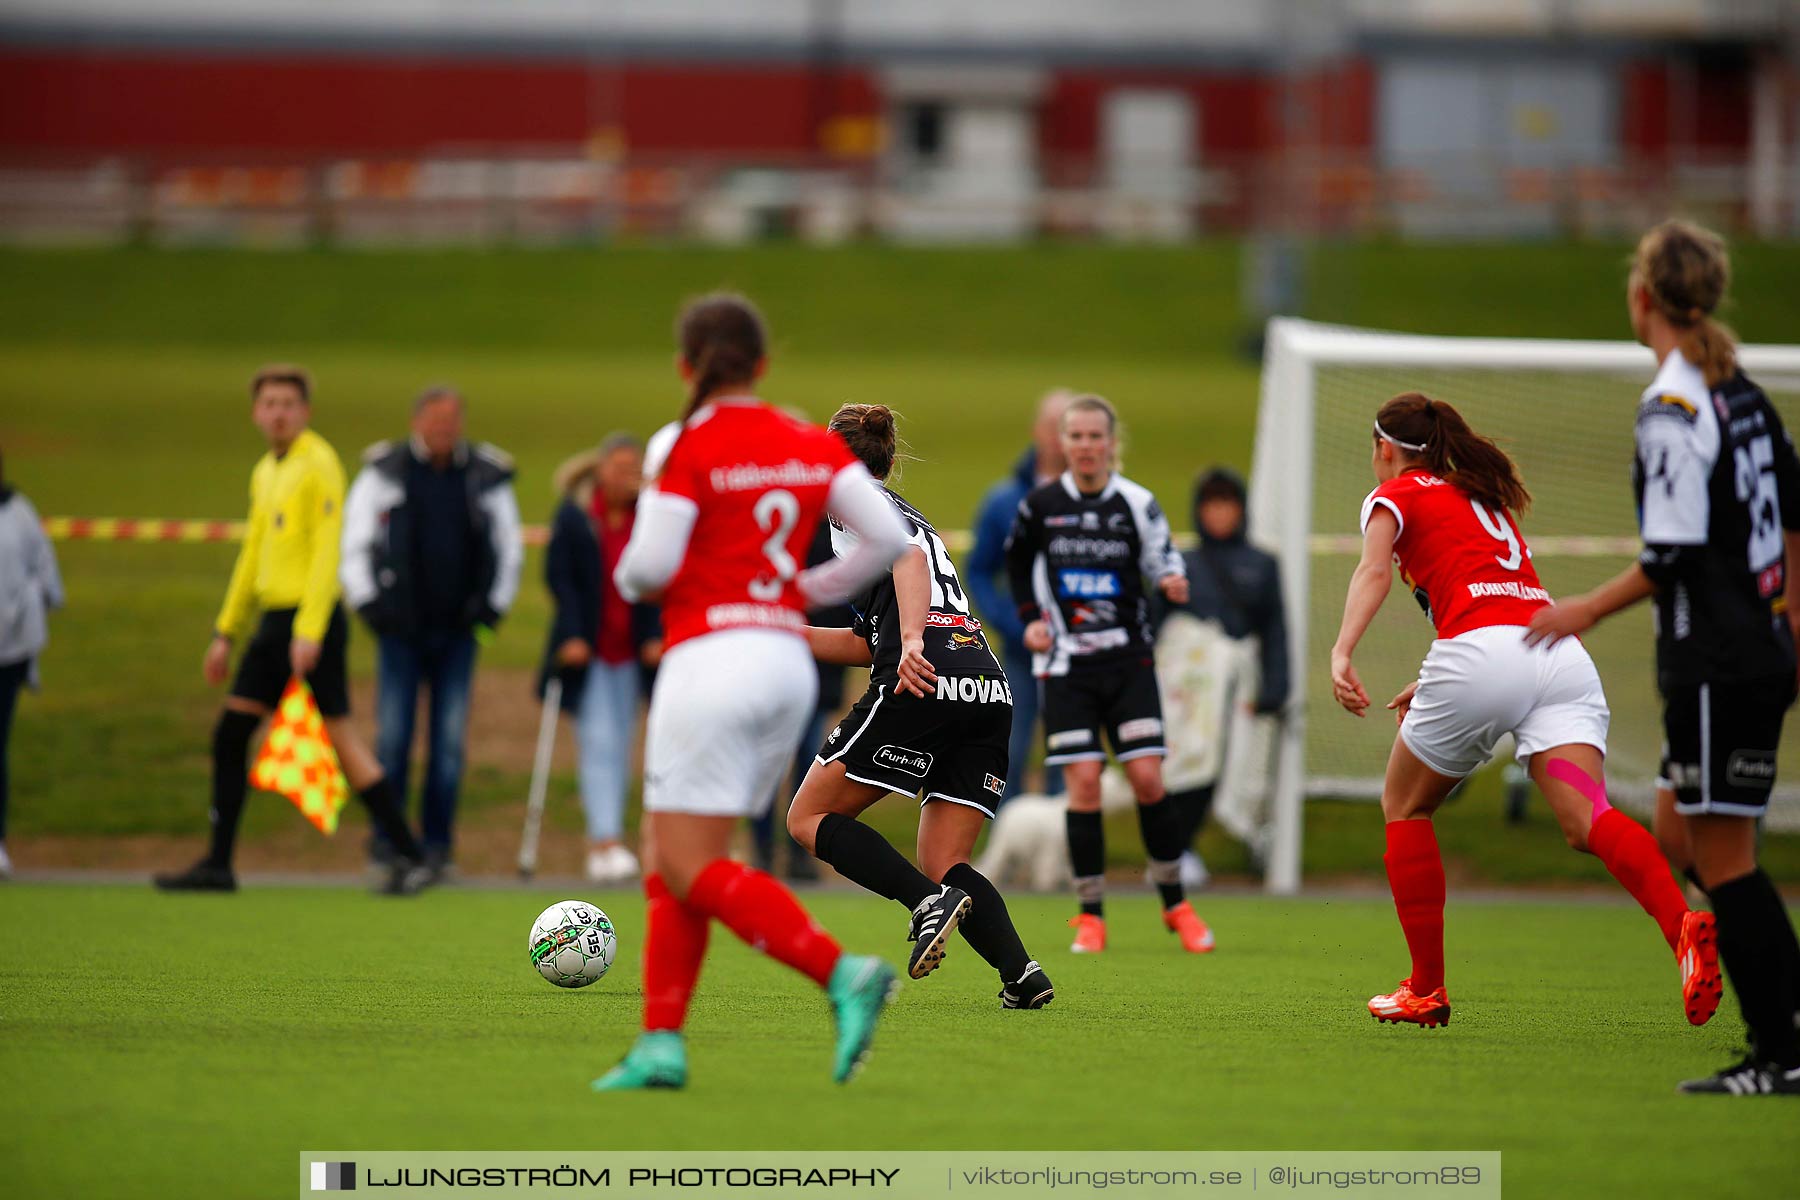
[[572, 943]]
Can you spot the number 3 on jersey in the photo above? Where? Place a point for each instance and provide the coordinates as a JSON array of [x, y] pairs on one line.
[[776, 513], [1500, 529]]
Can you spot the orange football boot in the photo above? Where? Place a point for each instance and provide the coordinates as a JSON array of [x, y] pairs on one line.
[[1402, 1005], [1196, 938], [1697, 954], [1090, 933]]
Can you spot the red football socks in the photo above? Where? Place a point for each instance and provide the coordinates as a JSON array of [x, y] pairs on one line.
[[1415, 872], [1637, 862], [764, 914], [674, 946]]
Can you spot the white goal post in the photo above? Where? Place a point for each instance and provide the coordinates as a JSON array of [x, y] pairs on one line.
[[1564, 410]]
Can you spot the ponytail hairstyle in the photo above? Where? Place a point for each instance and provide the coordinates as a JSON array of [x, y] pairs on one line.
[[1434, 435], [722, 338], [868, 429], [1686, 270]]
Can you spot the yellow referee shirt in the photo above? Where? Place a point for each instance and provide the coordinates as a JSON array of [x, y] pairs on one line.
[[289, 558]]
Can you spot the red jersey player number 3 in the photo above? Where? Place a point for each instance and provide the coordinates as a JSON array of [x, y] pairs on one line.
[[759, 481]]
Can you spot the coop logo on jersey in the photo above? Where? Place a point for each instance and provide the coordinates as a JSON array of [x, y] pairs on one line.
[[1086, 585], [755, 477], [913, 762], [973, 689], [938, 620], [1062, 521], [334, 1177]]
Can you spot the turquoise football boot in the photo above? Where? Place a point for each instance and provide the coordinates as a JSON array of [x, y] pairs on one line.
[[657, 1060], [860, 987]]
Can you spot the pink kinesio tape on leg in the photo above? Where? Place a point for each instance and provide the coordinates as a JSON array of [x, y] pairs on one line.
[[1564, 771]]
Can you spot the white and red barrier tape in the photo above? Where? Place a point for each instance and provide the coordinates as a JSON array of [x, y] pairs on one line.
[[129, 529]]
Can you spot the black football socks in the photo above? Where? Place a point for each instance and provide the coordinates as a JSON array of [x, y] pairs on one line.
[[866, 858], [1087, 855], [230, 780], [1757, 946], [1161, 825], [988, 927]]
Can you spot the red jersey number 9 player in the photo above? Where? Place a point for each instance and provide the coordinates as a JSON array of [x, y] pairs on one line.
[[1443, 512], [736, 490]]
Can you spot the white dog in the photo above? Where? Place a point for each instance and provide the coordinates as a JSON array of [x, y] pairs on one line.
[[1029, 842]]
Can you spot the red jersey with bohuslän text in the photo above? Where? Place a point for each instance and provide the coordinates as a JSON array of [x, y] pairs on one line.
[[759, 479], [1466, 563]]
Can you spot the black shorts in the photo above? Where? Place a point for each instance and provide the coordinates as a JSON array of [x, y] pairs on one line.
[[948, 747], [1120, 698], [1719, 742], [263, 672]]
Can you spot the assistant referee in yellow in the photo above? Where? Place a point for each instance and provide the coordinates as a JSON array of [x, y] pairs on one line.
[[284, 596]]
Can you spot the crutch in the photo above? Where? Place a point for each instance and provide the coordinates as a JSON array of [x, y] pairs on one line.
[[540, 776]]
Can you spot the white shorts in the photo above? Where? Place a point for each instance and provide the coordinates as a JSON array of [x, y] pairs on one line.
[[725, 720], [1479, 686]]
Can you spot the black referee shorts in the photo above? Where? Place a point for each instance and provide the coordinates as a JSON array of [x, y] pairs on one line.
[[1119, 699], [1719, 742], [263, 672]]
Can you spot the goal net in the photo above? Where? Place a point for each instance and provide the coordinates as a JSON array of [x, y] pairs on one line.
[[1563, 410]]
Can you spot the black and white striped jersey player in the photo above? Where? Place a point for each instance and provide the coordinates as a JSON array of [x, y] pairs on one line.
[[952, 744], [1083, 564]]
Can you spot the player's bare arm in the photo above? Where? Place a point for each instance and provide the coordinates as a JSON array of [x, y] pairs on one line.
[[840, 646], [1577, 614], [1369, 585], [912, 593]]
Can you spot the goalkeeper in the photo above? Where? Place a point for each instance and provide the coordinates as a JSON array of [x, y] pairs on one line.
[[287, 571]]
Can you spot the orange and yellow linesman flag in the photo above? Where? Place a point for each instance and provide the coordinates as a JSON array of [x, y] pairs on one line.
[[297, 760]]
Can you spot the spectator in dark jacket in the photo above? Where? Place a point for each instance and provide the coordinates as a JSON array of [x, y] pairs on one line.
[[1237, 587], [602, 646], [431, 560], [984, 575], [30, 586]]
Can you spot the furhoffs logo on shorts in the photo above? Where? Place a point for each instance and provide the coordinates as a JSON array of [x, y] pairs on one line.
[[334, 1177], [913, 762]]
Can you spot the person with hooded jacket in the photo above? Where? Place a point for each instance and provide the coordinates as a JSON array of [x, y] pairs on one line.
[[1236, 588]]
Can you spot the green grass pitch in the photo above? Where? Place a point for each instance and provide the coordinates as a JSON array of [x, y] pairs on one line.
[[159, 1046]]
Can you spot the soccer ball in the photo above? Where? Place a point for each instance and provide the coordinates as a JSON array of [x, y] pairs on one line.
[[572, 943]]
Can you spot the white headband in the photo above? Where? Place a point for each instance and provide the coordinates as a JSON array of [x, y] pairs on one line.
[[1385, 436]]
